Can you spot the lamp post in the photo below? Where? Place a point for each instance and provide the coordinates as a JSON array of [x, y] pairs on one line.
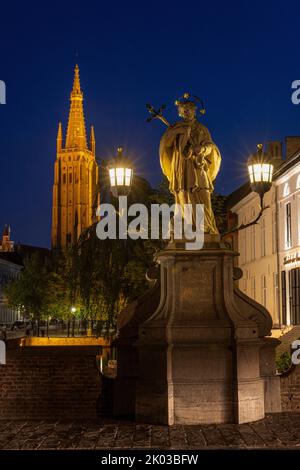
[[260, 174], [120, 171], [73, 311]]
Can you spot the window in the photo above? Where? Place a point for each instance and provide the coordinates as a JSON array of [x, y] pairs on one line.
[[273, 228], [263, 237], [286, 190], [275, 294], [283, 297], [70, 178], [264, 290], [252, 288], [253, 243], [294, 295], [64, 178], [298, 219], [288, 226]]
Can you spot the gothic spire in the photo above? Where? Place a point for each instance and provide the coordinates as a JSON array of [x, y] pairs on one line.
[[76, 135], [92, 141], [59, 138]]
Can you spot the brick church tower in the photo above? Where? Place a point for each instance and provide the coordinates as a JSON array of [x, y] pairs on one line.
[[75, 175]]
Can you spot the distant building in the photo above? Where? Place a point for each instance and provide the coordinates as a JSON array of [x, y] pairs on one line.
[[6, 244], [11, 263], [10, 268], [270, 250], [75, 175]]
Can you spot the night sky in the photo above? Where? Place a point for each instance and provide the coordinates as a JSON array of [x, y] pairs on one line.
[[239, 57]]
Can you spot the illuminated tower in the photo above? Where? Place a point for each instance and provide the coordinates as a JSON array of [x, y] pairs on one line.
[[6, 244], [75, 175]]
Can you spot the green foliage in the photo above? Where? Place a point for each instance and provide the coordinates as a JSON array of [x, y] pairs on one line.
[[219, 208], [284, 362], [30, 291]]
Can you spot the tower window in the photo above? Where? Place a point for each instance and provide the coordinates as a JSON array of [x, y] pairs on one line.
[[64, 178], [70, 177]]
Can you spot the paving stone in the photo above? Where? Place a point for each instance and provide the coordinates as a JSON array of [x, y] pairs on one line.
[[160, 438], [281, 430], [125, 435], [232, 436], [195, 437], [107, 436], [250, 437], [212, 436], [142, 436], [178, 439], [266, 434]]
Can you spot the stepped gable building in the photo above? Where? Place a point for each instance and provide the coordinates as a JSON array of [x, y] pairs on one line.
[[75, 175]]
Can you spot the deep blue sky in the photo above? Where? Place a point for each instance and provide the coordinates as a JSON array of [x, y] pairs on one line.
[[239, 57]]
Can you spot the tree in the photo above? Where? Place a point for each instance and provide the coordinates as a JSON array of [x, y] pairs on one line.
[[30, 292], [220, 211]]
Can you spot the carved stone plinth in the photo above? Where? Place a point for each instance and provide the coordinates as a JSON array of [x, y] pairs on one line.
[[202, 355]]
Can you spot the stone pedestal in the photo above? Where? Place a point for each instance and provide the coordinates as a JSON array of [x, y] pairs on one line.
[[199, 353]]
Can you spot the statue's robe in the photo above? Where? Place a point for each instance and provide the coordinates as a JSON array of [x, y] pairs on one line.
[[190, 183]]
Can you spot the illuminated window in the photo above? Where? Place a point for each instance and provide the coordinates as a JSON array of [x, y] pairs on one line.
[[286, 190], [274, 232], [263, 237], [288, 225], [252, 288], [253, 243], [275, 292], [264, 290]]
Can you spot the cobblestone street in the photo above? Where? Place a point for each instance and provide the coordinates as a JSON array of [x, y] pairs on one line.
[[276, 431]]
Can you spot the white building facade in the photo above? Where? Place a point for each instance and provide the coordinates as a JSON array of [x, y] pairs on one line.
[[270, 250]]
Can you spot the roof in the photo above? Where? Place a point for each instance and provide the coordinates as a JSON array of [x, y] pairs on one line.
[[25, 250], [12, 257], [21, 251], [287, 164], [237, 195]]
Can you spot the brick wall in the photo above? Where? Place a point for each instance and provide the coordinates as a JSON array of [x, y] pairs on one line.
[[290, 389], [50, 382]]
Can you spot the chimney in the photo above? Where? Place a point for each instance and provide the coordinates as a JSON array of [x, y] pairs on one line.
[[274, 152], [292, 145]]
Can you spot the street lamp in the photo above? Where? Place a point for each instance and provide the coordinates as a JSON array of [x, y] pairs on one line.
[[120, 174], [73, 311], [260, 173]]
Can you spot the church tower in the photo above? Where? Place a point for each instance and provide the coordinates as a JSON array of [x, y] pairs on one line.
[[75, 175]]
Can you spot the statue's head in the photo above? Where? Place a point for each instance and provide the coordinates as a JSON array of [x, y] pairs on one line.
[[187, 106], [187, 110]]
